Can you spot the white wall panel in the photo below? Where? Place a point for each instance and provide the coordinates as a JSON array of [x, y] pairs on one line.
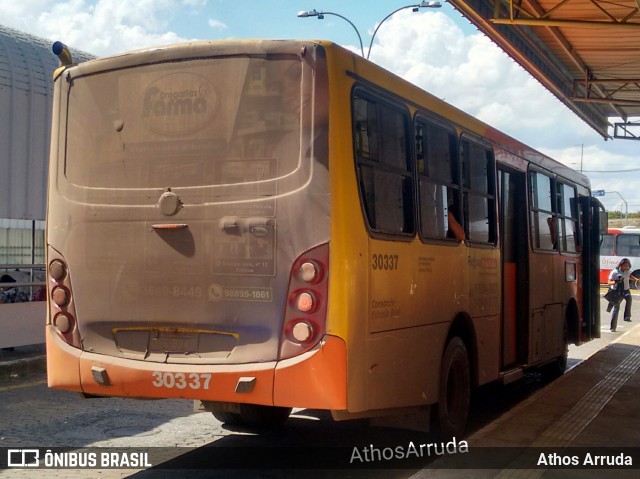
[[26, 88]]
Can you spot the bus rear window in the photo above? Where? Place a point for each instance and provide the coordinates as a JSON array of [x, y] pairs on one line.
[[199, 122]]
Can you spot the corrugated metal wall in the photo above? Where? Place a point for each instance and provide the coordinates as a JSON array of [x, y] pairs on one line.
[[26, 87], [25, 118], [21, 242]]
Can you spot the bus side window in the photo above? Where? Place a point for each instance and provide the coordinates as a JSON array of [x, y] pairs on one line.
[[606, 247], [362, 140], [382, 157], [478, 183], [438, 182], [627, 245], [568, 214], [543, 218]]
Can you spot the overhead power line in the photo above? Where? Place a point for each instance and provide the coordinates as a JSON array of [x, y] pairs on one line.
[[611, 171]]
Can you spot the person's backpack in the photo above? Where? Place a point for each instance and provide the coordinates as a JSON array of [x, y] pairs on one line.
[[615, 293]]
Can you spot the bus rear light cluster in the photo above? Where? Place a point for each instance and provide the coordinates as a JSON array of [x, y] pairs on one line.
[[61, 304], [306, 308]]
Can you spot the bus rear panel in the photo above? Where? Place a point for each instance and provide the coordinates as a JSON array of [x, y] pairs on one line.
[[181, 259]]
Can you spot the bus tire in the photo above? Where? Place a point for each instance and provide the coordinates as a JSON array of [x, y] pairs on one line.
[[251, 415], [558, 366], [263, 416], [454, 398], [225, 417]]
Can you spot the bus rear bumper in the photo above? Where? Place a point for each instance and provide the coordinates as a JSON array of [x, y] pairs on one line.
[[315, 379]]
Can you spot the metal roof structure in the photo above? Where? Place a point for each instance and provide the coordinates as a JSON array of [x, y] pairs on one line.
[[26, 95], [586, 52]]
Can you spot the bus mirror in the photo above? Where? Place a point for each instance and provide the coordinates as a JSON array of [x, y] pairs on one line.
[[604, 222]]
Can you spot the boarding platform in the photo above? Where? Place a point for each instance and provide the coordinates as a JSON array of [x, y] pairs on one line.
[[584, 424]]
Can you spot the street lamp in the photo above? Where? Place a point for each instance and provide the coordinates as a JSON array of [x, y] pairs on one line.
[[415, 8], [320, 15], [624, 202]]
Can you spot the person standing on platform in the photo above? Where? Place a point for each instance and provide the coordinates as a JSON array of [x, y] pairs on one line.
[[622, 275]]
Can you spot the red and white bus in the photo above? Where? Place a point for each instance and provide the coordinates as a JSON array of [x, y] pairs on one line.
[[620, 243]]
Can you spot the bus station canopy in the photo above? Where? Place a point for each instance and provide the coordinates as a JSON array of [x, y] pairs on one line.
[[586, 52]]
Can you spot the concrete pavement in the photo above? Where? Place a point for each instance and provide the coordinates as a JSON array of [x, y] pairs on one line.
[[21, 361]]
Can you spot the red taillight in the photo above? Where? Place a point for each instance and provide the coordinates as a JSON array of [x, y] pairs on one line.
[[61, 304], [57, 270], [302, 331], [306, 309], [310, 272], [64, 322], [304, 301], [61, 296]]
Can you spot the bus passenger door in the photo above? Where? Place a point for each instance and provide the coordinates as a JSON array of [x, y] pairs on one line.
[[592, 230], [514, 253]]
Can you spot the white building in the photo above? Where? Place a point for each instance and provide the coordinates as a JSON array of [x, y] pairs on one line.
[[26, 90], [26, 93]]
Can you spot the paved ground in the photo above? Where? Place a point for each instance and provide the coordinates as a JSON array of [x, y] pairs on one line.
[[590, 417]]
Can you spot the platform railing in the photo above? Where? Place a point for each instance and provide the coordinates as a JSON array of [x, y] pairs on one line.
[[23, 323], [16, 270]]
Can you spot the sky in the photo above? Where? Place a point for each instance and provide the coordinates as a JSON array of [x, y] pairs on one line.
[[436, 49]]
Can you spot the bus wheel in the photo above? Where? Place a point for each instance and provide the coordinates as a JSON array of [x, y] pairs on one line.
[[227, 417], [633, 284], [251, 415], [455, 390], [558, 366], [263, 416]]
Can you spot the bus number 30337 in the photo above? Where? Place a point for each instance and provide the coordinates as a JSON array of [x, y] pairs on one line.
[[181, 380], [384, 261]]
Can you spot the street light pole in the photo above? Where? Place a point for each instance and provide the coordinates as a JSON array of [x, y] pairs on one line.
[[320, 15], [624, 202], [431, 4], [581, 156]]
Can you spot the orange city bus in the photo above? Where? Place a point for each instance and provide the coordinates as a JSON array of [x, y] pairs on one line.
[[263, 225]]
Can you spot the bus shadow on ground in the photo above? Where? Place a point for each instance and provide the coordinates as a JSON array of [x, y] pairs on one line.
[[309, 445], [313, 445]]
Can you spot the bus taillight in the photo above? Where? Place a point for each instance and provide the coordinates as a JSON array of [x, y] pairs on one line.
[[310, 272], [61, 296], [302, 331], [62, 307], [305, 302], [306, 308], [64, 322], [57, 270]]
